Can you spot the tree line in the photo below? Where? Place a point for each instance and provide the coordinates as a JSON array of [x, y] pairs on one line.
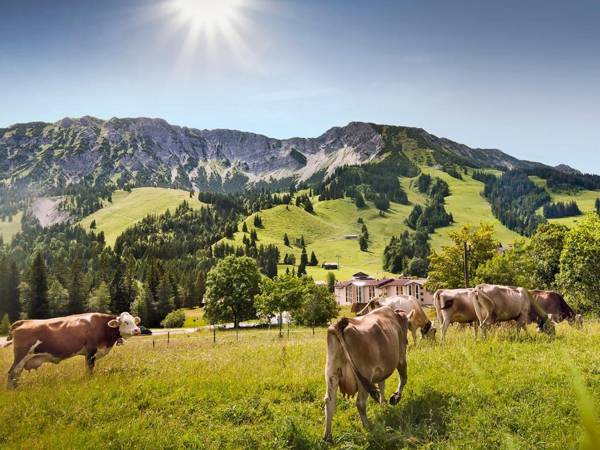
[[555, 258], [514, 199], [561, 209]]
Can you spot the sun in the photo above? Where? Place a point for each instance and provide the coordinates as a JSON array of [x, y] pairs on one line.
[[206, 14]]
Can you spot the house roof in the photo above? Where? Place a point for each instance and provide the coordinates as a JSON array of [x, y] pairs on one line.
[[394, 282], [361, 275]]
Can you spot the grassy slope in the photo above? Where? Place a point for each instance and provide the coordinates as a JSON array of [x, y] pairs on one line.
[[9, 229], [265, 392], [127, 208], [467, 207], [324, 231]]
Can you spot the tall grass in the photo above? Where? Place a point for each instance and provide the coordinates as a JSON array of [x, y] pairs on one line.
[[266, 392]]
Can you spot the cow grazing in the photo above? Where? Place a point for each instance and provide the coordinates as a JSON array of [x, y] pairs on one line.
[[505, 303], [362, 352], [91, 335], [555, 306], [405, 303], [455, 306]]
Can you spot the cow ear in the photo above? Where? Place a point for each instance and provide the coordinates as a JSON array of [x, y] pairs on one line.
[[137, 320], [113, 323]]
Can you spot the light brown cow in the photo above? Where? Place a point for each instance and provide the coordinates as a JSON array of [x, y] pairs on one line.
[[362, 352], [455, 306], [405, 303], [52, 340], [505, 303]]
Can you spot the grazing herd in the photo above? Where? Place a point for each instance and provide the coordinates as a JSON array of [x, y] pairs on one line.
[[362, 352]]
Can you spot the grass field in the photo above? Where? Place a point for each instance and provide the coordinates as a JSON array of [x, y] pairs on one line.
[[325, 229], [9, 228], [265, 392], [127, 208]]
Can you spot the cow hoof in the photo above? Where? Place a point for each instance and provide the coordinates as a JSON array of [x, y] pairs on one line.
[[394, 400]]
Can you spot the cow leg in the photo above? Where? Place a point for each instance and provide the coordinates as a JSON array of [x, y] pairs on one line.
[[445, 326], [413, 330], [361, 405], [21, 358], [330, 399], [382, 392], [522, 323], [90, 361], [402, 371], [13, 374], [476, 328]]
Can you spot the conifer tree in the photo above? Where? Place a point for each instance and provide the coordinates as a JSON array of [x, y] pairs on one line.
[[38, 284]]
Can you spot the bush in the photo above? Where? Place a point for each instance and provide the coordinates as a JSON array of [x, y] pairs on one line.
[[4, 325], [175, 319]]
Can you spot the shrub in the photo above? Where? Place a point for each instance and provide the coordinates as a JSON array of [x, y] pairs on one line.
[[175, 319], [4, 325]]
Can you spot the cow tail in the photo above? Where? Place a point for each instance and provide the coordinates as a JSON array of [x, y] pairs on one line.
[[438, 306], [477, 292], [366, 383]]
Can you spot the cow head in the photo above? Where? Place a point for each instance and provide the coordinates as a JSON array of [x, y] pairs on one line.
[[576, 321], [428, 331], [372, 305], [127, 325]]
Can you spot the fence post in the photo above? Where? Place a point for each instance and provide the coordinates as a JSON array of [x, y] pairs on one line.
[[168, 337], [152, 343]]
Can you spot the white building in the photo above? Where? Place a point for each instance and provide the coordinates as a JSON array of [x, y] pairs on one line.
[[362, 288]]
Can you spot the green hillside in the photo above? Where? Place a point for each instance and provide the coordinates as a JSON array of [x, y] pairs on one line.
[[586, 200], [9, 228], [325, 229], [127, 208]]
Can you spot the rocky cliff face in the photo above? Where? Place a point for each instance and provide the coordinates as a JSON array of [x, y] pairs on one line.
[[145, 151]]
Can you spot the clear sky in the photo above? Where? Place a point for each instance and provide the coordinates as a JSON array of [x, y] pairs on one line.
[[522, 76]]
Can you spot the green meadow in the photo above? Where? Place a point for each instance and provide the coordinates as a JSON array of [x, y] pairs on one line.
[[503, 392], [128, 208]]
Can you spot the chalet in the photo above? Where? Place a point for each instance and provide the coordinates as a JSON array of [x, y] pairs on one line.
[[362, 288], [406, 286]]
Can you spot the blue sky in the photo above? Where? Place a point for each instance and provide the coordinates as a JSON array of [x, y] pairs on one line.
[[522, 76]]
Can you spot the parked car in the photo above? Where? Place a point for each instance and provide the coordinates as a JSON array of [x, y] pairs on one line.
[[145, 331]]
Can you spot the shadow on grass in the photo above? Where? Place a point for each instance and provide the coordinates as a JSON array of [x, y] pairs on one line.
[[414, 422]]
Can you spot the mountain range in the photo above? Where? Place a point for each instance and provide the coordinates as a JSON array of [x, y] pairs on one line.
[[152, 152]]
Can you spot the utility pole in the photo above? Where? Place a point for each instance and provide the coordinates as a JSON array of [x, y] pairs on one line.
[[466, 263], [338, 261]]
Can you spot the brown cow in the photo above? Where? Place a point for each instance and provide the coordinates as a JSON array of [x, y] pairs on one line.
[[405, 303], [455, 306], [52, 340], [362, 352], [555, 306], [506, 303]]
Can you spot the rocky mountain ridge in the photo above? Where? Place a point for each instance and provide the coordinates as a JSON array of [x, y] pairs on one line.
[[146, 152]]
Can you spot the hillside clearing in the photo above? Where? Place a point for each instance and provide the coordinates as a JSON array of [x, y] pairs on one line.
[[266, 392], [8, 228], [128, 208]]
